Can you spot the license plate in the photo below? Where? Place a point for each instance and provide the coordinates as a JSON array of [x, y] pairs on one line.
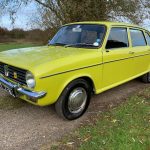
[[10, 91]]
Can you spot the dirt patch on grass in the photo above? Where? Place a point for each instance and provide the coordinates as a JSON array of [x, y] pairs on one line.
[[7, 102], [24, 126], [128, 121], [145, 93]]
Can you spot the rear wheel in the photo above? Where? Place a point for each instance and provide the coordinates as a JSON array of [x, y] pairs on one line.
[[74, 100], [146, 78]]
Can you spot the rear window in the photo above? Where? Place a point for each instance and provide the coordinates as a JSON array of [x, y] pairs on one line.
[[147, 38], [118, 38], [137, 38]]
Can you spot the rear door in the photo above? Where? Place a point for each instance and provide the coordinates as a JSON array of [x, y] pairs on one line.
[[118, 66], [140, 50]]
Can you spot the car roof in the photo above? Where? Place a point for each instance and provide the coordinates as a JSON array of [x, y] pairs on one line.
[[107, 24]]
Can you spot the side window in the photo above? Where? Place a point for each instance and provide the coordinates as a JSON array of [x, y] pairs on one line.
[[137, 38], [147, 38], [118, 38]]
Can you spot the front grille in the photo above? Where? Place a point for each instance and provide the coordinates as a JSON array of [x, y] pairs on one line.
[[15, 74]]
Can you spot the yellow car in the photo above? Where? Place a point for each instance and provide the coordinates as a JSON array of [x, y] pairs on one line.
[[82, 59]]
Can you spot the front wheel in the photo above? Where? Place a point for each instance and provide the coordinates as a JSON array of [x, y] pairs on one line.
[[74, 100], [146, 78]]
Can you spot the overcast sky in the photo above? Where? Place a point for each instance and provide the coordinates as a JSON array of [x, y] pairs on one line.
[[24, 15], [22, 18]]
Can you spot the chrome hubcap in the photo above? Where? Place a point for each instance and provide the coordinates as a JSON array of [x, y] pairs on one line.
[[77, 100]]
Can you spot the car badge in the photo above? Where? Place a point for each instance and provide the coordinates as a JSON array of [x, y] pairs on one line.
[[15, 75], [6, 70]]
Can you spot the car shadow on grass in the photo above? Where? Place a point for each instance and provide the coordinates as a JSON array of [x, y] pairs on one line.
[[7, 102]]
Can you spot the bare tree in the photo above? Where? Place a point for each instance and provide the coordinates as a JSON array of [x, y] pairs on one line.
[[53, 13]]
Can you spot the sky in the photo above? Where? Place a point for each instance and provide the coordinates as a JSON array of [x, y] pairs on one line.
[[22, 18], [24, 15]]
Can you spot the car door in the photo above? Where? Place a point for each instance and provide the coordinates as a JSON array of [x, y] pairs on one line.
[[140, 50], [117, 65]]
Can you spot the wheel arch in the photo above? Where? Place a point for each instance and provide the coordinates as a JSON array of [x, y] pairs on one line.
[[90, 81], [85, 77]]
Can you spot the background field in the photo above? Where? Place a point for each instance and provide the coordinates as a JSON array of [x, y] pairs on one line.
[[8, 46]]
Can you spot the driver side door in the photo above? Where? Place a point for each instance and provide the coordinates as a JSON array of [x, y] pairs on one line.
[[117, 58]]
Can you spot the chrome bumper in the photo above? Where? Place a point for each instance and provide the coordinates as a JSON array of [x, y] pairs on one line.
[[21, 91]]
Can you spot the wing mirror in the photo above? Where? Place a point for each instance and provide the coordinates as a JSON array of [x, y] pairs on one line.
[[49, 42]]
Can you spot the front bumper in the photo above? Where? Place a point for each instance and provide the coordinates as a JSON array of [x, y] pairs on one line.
[[19, 91]]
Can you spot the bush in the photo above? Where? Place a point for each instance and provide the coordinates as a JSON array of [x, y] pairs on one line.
[[34, 35]]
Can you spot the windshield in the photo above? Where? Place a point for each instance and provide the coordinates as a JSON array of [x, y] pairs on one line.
[[82, 35]]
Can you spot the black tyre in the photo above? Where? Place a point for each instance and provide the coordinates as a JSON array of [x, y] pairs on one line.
[[74, 100], [146, 78]]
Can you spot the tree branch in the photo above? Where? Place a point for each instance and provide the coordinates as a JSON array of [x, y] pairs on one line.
[[43, 4], [52, 8]]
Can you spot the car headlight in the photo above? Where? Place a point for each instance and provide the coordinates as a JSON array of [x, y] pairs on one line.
[[30, 80]]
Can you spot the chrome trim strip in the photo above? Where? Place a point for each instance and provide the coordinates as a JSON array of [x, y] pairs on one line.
[[106, 62], [20, 90], [71, 70], [125, 58]]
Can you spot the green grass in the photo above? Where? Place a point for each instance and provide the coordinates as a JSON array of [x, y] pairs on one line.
[[126, 127], [8, 46]]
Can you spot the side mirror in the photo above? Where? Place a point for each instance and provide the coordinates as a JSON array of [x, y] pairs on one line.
[[49, 42]]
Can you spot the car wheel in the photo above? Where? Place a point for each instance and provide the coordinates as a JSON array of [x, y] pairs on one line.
[[146, 78], [74, 100]]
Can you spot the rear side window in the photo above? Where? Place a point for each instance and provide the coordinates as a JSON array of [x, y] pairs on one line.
[[118, 38], [137, 38], [147, 38]]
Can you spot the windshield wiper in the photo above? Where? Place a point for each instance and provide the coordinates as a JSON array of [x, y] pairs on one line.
[[80, 44], [58, 44]]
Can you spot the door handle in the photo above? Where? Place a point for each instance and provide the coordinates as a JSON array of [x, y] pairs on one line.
[[131, 52], [107, 50]]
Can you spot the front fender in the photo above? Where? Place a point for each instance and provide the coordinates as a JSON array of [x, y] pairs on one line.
[[54, 85]]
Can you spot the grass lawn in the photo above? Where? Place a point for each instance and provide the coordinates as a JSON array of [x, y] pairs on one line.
[[8, 46], [126, 127]]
